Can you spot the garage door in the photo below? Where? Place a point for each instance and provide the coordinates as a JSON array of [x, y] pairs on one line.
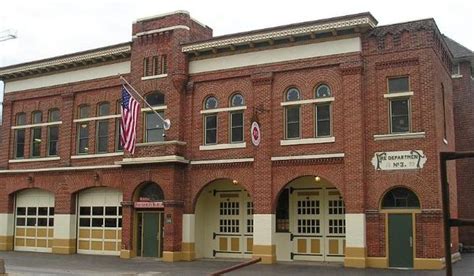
[[100, 222], [34, 224]]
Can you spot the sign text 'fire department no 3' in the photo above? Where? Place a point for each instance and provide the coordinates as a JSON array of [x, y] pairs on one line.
[[399, 160]]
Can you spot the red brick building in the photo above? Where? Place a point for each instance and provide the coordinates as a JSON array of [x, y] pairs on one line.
[[352, 118]]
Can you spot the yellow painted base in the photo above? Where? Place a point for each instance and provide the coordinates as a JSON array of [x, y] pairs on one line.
[[418, 263], [6, 243], [189, 252], [266, 252], [377, 262], [64, 246], [125, 254], [169, 256], [355, 257]]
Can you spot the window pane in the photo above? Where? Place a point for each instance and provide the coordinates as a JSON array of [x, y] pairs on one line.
[[398, 85], [42, 211], [20, 143], [53, 133], [51, 211], [20, 211], [211, 137], [83, 130], [111, 211], [54, 115], [293, 114], [110, 222], [155, 99], [31, 211], [293, 130], [293, 122], [42, 221], [98, 211], [97, 222], [237, 129], [237, 100], [293, 94], [36, 142], [400, 116], [85, 211], [211, 121], [51, 221], [104, 109], [323, 91], [30, 221], [20, 221], [154, 127], [118, 144], [85, 222], [323, 120], [102, 136]]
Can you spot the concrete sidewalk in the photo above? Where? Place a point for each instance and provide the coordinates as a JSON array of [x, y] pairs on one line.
[[26, 263]]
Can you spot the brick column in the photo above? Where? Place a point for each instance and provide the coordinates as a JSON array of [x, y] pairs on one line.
[[6, 145], [173, 226], [264, 220], [354, 134], [127, 230], [65, 141], [7, 222], [64, 221]]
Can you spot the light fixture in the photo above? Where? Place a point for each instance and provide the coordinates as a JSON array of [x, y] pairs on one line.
[[37, 140], [317, 178], [235, 182]]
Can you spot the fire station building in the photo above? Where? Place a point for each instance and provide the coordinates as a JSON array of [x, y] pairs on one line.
[[314, 141]]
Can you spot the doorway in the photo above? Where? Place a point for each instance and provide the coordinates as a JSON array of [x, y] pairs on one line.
[[150, 234], [400, 240]]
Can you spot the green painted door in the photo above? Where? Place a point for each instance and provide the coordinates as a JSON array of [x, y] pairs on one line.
[[151, 234], [400, 240]]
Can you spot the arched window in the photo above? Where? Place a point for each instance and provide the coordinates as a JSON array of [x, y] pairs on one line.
[[323, 112], [211, 103], [151, 191], [210, 121], [236, 119], [84, 111], [20, 136], [400, 198], [36, 118], [53, 132], [102, 133], [292, 115], [155, 99]]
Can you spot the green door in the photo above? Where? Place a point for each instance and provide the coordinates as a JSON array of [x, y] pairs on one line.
[[151, 234], [400, 240]]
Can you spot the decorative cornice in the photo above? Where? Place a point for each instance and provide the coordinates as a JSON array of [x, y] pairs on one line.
[[262, 79], [65, 62], [352, 68], [284, 32], [396, 63]]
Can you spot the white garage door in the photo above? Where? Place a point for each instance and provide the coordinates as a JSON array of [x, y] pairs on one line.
[[99, 221], [34, 225]]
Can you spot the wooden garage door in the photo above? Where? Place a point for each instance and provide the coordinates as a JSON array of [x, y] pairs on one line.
[[34, 222], [99, 222]]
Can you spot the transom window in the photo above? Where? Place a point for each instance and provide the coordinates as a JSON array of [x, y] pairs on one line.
[[104, 109], [156, 99], [400, 198], [84, 111], [54, 115], [21, 119], [211, 103], [323, 91], [293, 94], [237, 100], [398, 84], [37, 117]]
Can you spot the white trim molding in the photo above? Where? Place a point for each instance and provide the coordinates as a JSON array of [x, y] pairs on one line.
[[97, 118], [56, 169], [161, 30], [97, 155], [156, 16], [161, 107], [398, 94], [223, 146], [157, 159], [223, 109], [154, 77], [396, 136], [221, 161], [162, 143], [310, 101], [306, 141], [305, 157], [41, 159], [456, 76], [37, 125]]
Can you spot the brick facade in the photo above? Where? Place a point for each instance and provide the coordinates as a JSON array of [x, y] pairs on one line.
[[358, 82]]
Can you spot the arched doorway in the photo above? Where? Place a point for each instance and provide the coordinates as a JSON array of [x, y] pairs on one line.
[[400, 205], [148, 204], [99, 228], [310, 221], [224, 221], [34, 220]]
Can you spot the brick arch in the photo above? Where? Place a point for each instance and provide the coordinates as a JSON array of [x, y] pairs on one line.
[[196, 194], [138, 188], [384, 193], [19, 188], [280, 186]]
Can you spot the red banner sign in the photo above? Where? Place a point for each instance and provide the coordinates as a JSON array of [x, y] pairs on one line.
[[148, 204]]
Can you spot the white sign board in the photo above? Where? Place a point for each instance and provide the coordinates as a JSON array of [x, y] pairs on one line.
[[399, 160], [255, 134]]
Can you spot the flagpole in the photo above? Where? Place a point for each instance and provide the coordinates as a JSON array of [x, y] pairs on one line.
[[147, 104]]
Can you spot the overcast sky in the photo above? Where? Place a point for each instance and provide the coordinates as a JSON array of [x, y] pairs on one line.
[[49, 28]]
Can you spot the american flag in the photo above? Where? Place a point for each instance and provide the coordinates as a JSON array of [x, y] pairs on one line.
[[130, 109]]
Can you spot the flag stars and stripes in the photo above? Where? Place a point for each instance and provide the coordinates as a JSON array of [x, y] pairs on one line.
[[130, 110]]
